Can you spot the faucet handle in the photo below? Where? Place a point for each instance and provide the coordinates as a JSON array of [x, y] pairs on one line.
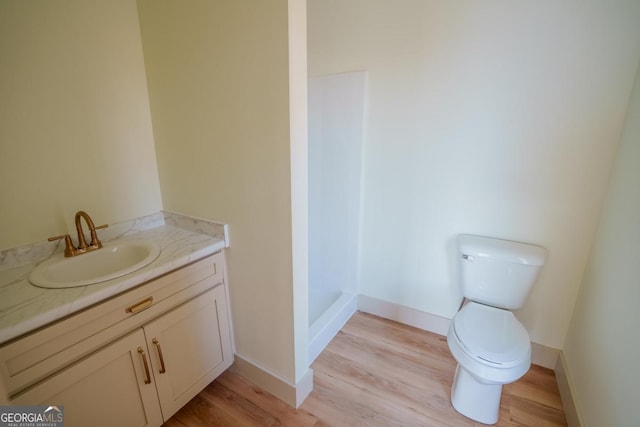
[[69, 250], [95, 241]]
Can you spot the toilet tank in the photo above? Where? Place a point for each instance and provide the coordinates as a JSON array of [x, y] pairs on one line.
[[496, 272]]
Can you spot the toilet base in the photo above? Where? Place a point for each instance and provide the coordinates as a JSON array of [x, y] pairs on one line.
[[475, 400]]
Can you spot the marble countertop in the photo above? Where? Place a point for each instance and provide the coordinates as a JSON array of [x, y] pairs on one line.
[[25, 307]]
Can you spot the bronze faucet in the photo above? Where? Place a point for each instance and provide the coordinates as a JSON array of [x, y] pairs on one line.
[[82, 248]]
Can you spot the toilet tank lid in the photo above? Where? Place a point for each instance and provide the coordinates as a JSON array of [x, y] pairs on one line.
[[505, 250]]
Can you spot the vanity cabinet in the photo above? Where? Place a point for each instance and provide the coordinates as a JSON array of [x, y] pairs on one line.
[[168, 339]]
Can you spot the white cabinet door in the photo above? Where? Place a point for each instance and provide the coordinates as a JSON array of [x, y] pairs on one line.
[[108, 388], [190, 346]]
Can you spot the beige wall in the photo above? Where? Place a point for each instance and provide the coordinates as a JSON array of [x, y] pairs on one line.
[[218, 75], [603, 342], [75, 126], [494, 118], [76, 133]]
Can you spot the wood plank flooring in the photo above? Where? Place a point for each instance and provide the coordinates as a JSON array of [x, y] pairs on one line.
[[375, 372]]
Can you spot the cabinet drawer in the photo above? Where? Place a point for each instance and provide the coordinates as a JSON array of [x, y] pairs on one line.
[[39, 354]]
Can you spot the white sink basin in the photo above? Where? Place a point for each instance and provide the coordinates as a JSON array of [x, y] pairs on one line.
[[112, 261]]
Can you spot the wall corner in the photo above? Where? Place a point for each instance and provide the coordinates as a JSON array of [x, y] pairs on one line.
[[571, 411]]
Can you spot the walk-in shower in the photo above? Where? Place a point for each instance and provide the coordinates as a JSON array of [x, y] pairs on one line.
[[336, 116]]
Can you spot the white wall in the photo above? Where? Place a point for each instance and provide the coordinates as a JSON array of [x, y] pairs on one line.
[[220, 94], [75, 125], [495, 118], [603, 342]]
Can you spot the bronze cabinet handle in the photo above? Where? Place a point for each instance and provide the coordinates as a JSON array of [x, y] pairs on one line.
[[147, 374], [157, 344]]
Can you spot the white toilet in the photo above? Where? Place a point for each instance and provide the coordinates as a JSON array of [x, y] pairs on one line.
[[491, 346]]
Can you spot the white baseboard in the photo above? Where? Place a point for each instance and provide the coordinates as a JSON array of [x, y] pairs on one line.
[[540, 355], [564, 385], [405, 315], [544, 356], [292, 395]]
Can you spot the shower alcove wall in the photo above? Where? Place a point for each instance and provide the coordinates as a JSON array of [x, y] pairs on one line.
[[336, 116]]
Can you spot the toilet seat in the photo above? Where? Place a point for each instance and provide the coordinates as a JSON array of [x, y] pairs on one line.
[[491, 335]]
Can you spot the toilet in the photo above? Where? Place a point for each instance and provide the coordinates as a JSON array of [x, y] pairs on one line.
[[491, 346]]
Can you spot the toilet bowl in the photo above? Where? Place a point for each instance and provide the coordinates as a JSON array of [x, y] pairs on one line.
[[492, 348]]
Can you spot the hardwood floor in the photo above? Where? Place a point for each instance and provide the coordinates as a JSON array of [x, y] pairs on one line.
[[375, 372]]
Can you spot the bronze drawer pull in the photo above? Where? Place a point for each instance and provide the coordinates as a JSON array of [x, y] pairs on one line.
[[145, 303]]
